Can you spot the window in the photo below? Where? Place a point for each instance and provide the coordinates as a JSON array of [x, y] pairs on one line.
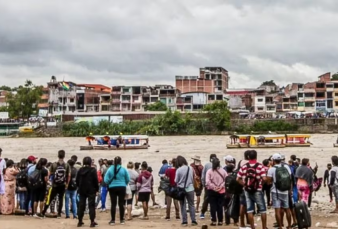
[[336, 94], [260, 100], [301, 104], [71, 100], [260, 108], [336, 103]]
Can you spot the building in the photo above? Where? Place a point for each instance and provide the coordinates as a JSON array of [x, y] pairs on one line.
[[43, 104], [3, 102], [192, 101], [241, 98]]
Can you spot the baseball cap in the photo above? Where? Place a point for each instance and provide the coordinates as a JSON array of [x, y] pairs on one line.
[[32, 158], [277, 156], [229, 158]]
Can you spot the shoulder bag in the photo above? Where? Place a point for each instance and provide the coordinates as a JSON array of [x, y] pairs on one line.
[[178, 193]]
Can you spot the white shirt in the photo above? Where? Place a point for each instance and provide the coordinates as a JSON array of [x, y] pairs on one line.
[[2, 166], [272, 173]]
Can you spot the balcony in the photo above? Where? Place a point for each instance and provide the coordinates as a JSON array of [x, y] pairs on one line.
[[105, 102], [309, 98], [126, 101], [116, 92], [116, 109], [115, 101]]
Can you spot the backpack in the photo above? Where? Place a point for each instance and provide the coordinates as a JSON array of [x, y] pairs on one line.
[[283, 178], [35, 180], [60, 174], [231, 184], [99, 176], [72, 183], [22, 179], [251, 181]]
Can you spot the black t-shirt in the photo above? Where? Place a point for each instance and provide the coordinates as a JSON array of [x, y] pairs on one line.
[[44, 174]]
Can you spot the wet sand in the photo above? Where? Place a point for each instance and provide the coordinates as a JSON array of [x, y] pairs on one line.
[[168, 147]]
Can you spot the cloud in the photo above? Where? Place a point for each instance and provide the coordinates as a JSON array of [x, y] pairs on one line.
[[149, 42]]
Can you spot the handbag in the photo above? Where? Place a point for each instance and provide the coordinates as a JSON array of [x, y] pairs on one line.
[[178, 193], [164, 185], [128, 192], [234, 207]]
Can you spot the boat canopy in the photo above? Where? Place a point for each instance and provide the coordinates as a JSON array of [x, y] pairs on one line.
[[270, 136], [298, 135], [141, 137]]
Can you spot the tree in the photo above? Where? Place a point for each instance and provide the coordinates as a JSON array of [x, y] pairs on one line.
[[219, 114], [334, 76], [3, 109], [25, 101], [5, 88], [158, 106], [269, 83]]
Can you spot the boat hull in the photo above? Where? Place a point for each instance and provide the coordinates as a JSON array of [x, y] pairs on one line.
[[241, 146], [298, 145], [105, 147]]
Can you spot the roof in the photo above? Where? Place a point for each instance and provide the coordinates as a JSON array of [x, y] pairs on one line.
[[95, 86]]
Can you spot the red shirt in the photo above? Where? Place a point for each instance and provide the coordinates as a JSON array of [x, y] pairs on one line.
[[171, 174], [260, 171]]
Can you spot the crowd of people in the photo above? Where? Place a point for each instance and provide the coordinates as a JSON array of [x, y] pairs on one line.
[[237, 191]]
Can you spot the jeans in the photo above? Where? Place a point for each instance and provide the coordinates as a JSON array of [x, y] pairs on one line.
[[334, 189], [28, 200], [216, 205], [98, 198], [189, 197], [104, 192], [117, 193], [72, 196], [22, 199], [169, 200], [280, 200], [53, 192], [255, 198], [91, 206], [205, 202]]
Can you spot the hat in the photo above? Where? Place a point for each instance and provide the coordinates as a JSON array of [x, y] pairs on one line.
[[32, 158], [229, 158], [197, 158], [276, 156]]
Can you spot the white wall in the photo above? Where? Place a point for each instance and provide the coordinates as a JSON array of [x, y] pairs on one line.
[[197, 98]]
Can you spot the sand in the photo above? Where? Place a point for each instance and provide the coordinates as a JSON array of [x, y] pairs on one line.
[[167, 147]]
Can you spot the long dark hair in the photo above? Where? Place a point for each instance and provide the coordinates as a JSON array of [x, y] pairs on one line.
[[23, 164], [117, 161], [181, 161], [42, 162], [216, 164]]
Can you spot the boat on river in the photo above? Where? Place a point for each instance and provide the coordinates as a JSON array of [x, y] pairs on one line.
[[256, 141], [297, 140], [116, 142]]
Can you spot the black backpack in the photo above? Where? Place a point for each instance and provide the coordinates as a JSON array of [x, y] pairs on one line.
[[60, 174], [22, 179], [251, 181], [283, 178], [35, 180], [72, 183], [231, 184]]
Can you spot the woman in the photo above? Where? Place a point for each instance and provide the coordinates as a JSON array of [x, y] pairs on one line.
[[88, 187], [132, 184], [117, 178], [8, 199], [145, 183], [71, 191], [137, 169], [215, 182], [39, 193], [304, 177], [333, 182], [21, 184], [170, 174], [185, 179]]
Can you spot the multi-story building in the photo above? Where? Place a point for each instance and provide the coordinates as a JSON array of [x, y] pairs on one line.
[[3, 102]]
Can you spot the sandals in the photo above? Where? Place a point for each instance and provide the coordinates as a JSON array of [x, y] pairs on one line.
[[145, 218], [213, 224]]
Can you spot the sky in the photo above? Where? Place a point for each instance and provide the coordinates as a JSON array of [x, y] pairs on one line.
[[147, 42]]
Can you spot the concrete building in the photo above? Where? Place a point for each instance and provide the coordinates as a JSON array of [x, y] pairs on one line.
[[193, 101], [3, 102]]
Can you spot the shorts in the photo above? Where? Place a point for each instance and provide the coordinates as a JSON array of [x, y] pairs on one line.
[[280, 200], [39, 195], [304, 192], [334, 189], [291, 202], [242, 199], [198, 192], [144, 196], [255, 198]]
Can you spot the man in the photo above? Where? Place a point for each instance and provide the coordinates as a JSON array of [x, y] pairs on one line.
[[252, 175], [229, 160], [207, 166], [327, 180], [32, 160], [77, 166], [164, 167], [280, 177], [103, 188], [61, 175], [198, 169]]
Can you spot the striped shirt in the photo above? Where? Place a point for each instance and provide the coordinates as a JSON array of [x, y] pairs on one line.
[[260, 173]]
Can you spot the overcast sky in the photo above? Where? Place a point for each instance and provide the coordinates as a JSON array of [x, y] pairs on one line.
[[147, 42]]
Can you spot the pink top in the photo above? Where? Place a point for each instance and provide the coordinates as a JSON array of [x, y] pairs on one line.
[[216, 179]]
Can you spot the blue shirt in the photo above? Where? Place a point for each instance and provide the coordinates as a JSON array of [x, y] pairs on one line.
[[31, 169], [163, 169], [121, 179]]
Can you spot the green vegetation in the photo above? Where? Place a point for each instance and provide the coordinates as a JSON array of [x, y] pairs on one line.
[[334, 76], [265, 126], [158, 106], [5, 88], [25, 102], [269, 83], [219, 114]]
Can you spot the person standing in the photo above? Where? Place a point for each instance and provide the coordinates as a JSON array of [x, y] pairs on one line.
[[279, 175], [252, 175], [327, 180], [333, 182], [22, 183], [198, 169], [2, 169], [88, 188], [185, 179], [8, 199], [215, 182], [304, 177], [71, 193], [103, 187], [32, 160], [145, 183], [117, 178], [132, 184], [60, 172], [205, 204], [171, 174]]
